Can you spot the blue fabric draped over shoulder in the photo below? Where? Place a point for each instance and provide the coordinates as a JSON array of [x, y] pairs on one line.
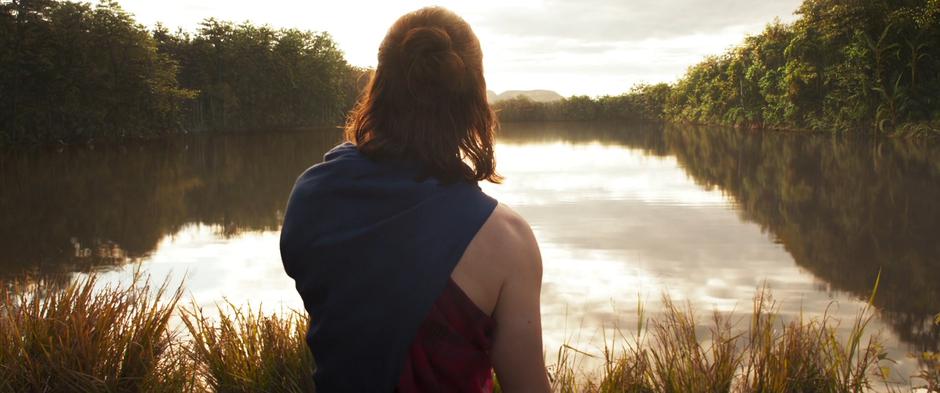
[[370, 246]]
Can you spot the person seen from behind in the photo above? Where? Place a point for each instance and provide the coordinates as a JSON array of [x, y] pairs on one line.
[[413, 278]]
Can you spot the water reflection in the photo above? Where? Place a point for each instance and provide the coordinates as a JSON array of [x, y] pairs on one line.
[[620, 211], [843, 208], [75, 209]]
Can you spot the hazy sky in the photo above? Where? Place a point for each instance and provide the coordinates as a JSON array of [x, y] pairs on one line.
[[591, 47]]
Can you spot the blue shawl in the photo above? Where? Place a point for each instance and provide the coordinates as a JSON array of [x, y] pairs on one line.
[[370, 246]]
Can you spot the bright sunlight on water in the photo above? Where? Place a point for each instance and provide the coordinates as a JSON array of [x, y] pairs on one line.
[[623, 215]]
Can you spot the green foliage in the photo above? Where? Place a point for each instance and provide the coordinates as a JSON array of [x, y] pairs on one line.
[[644, 103], [870, 66], [252, 77], [70, 71], [74, 72]]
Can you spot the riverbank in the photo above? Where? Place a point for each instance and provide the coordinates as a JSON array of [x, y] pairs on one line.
[[602, 110], [869, 67], [87, 336], [864, 67], [73, 72]]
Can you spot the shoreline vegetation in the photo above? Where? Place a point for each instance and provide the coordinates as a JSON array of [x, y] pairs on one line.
[[73, 72], [85, 336], [866, 66]]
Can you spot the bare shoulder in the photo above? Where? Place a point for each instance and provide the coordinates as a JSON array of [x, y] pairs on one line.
[[510, 239], [502, 254], [517, 344], [506, 222]]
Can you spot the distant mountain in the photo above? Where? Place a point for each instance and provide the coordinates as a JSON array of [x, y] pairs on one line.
[[534, 95]]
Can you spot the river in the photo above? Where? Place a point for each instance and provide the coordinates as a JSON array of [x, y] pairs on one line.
[[623, 215]]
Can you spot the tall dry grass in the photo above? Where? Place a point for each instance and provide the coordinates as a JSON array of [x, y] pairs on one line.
[[243, 350], [770, 355], [88, 337]]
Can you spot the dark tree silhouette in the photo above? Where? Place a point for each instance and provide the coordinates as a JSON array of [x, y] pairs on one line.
[[74, 72]]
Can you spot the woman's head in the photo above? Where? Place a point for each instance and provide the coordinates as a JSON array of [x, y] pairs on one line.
[[426, 100]]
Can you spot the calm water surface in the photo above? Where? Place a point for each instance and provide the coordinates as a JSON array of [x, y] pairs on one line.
[[621, 213]]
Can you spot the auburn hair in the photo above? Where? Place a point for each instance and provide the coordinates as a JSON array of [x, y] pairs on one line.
[[426, 100]]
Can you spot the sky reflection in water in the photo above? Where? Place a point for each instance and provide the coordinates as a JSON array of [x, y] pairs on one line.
[[615, 224]]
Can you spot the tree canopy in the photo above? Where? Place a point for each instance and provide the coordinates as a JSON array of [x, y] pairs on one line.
[[642, 103], [73, 71], [854, 65], [70, 70], [844, 65]]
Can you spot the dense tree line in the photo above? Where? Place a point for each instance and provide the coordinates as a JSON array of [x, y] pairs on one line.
[[844, 65], [70, 70], [643, 103], [251, 77], [73, 71], [855, 65]]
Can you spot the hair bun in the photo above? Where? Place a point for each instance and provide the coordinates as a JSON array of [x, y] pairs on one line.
[[425, 40], [431, 61]]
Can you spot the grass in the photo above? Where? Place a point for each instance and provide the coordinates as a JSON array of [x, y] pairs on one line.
[[81, 338], [246, 351], [89, 337]]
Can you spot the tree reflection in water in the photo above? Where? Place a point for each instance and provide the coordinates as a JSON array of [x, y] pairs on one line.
[[844, 208], [78, 208]]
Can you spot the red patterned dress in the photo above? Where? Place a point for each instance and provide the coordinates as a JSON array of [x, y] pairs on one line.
[[451, 352]]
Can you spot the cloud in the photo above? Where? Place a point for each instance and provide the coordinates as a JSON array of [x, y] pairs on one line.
[[591, 47], [598, 68], [599, 21], [598, 47]]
